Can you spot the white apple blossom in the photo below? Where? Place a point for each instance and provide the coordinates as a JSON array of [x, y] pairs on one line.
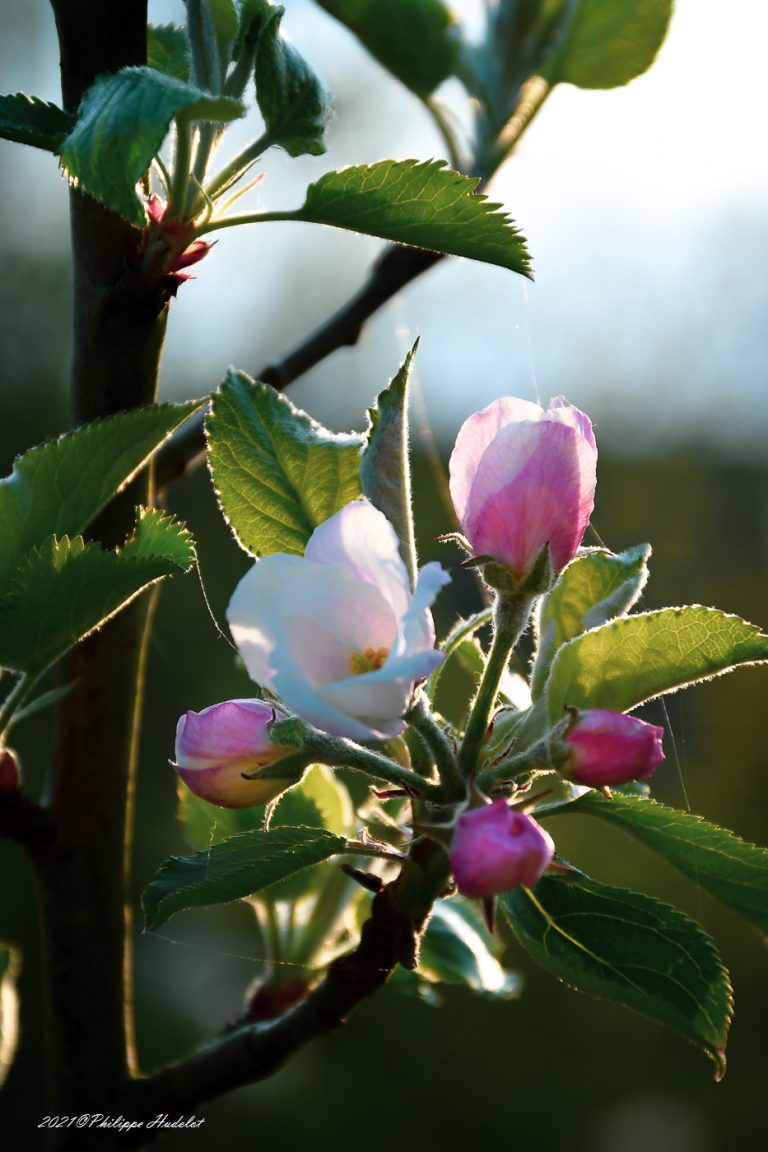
[[337, 633]]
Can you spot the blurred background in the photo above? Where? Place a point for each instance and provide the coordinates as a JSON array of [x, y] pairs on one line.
[[646, 213]]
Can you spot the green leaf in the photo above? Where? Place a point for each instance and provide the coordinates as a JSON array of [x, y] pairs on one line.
[[27, 120], [461, 631], [731, 869], [244, 865], [592, 590], [65, 589], [627, 947], [277, 473], [454, 950], [168, 51], [416, 42], [57, 488], [10, 963], [622, 664], [609, 42], [121, 123], [319, 801], [293, 101], [424, 204], [385, 471]]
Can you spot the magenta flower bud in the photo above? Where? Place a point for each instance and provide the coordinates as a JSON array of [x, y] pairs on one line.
[[496, 848], [608, 748], [522, 478], [216, 746], [9, 771]]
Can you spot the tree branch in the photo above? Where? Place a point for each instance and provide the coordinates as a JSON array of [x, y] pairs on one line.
[[390, 936], [395, 268]]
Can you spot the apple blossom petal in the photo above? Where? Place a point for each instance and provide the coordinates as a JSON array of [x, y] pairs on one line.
[[417, 629], [560, 410], [475, 434], [362, 539]]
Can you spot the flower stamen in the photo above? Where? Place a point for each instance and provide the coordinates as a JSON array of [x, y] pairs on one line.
[[368, 661]]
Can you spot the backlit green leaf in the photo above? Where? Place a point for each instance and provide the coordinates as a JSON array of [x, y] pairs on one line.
[[168, 50], [64, 589], [454, 950], [293, 101], [244, 865], [57, 488], [622, 664], [420, 203], [416, 42], [609, 42], [27, 120], [121, 123], [731, 869], [592, 590], [277, 473], [627, 947]]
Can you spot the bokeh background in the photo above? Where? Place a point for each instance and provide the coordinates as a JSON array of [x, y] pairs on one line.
[[646, 213]]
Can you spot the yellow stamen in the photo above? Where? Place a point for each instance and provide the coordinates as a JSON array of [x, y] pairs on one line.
[[368, 661]]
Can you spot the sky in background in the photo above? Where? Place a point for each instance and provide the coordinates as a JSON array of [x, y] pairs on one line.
[[645, 209]]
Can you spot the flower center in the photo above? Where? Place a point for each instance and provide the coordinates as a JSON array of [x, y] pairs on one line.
[[369, 661]]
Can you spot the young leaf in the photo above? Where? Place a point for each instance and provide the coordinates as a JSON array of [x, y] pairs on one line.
[[592, 590], [293, 101], [609, 42], [416, 42], [628, 947], [65, 589], [241, 866], [121, 123], [731, 869], [385, 471], [455, 951], [424, 204], [461, 631], [168, 50], [58, 487], [622, 664], [9, 1008], [277, 473], [27, 120]]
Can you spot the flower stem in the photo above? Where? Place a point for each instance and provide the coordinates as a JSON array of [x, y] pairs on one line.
[[511, 615], [238, 166], [441, 748], [14, 699], [338, 753]]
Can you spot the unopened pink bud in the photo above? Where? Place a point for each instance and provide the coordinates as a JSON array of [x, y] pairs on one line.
[[496, 848], [9, 771], [216, 746], [606, 749], [523, 478]]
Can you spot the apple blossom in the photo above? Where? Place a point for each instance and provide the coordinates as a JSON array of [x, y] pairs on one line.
[[337, 633], [609, 748], [522, 478], [216, 746], [496, 848]]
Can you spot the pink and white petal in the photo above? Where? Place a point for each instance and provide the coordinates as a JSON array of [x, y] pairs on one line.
[[234, 728], [565, 413], [361, 538], [417, 629], [476, 434]]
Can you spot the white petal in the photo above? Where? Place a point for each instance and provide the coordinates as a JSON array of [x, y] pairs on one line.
[[417, 630], [363, 540]]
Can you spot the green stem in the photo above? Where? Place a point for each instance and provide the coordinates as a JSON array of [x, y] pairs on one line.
[[510, 618], [14, 700], [248, 218], [344, 754], [451, 776], [238, 166], [438, 114], [182, 164]]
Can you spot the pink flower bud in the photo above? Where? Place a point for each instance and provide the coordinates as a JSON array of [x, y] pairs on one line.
[[496, 848], [609, 748], [522, 478], [9, 771], [214, 747]]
